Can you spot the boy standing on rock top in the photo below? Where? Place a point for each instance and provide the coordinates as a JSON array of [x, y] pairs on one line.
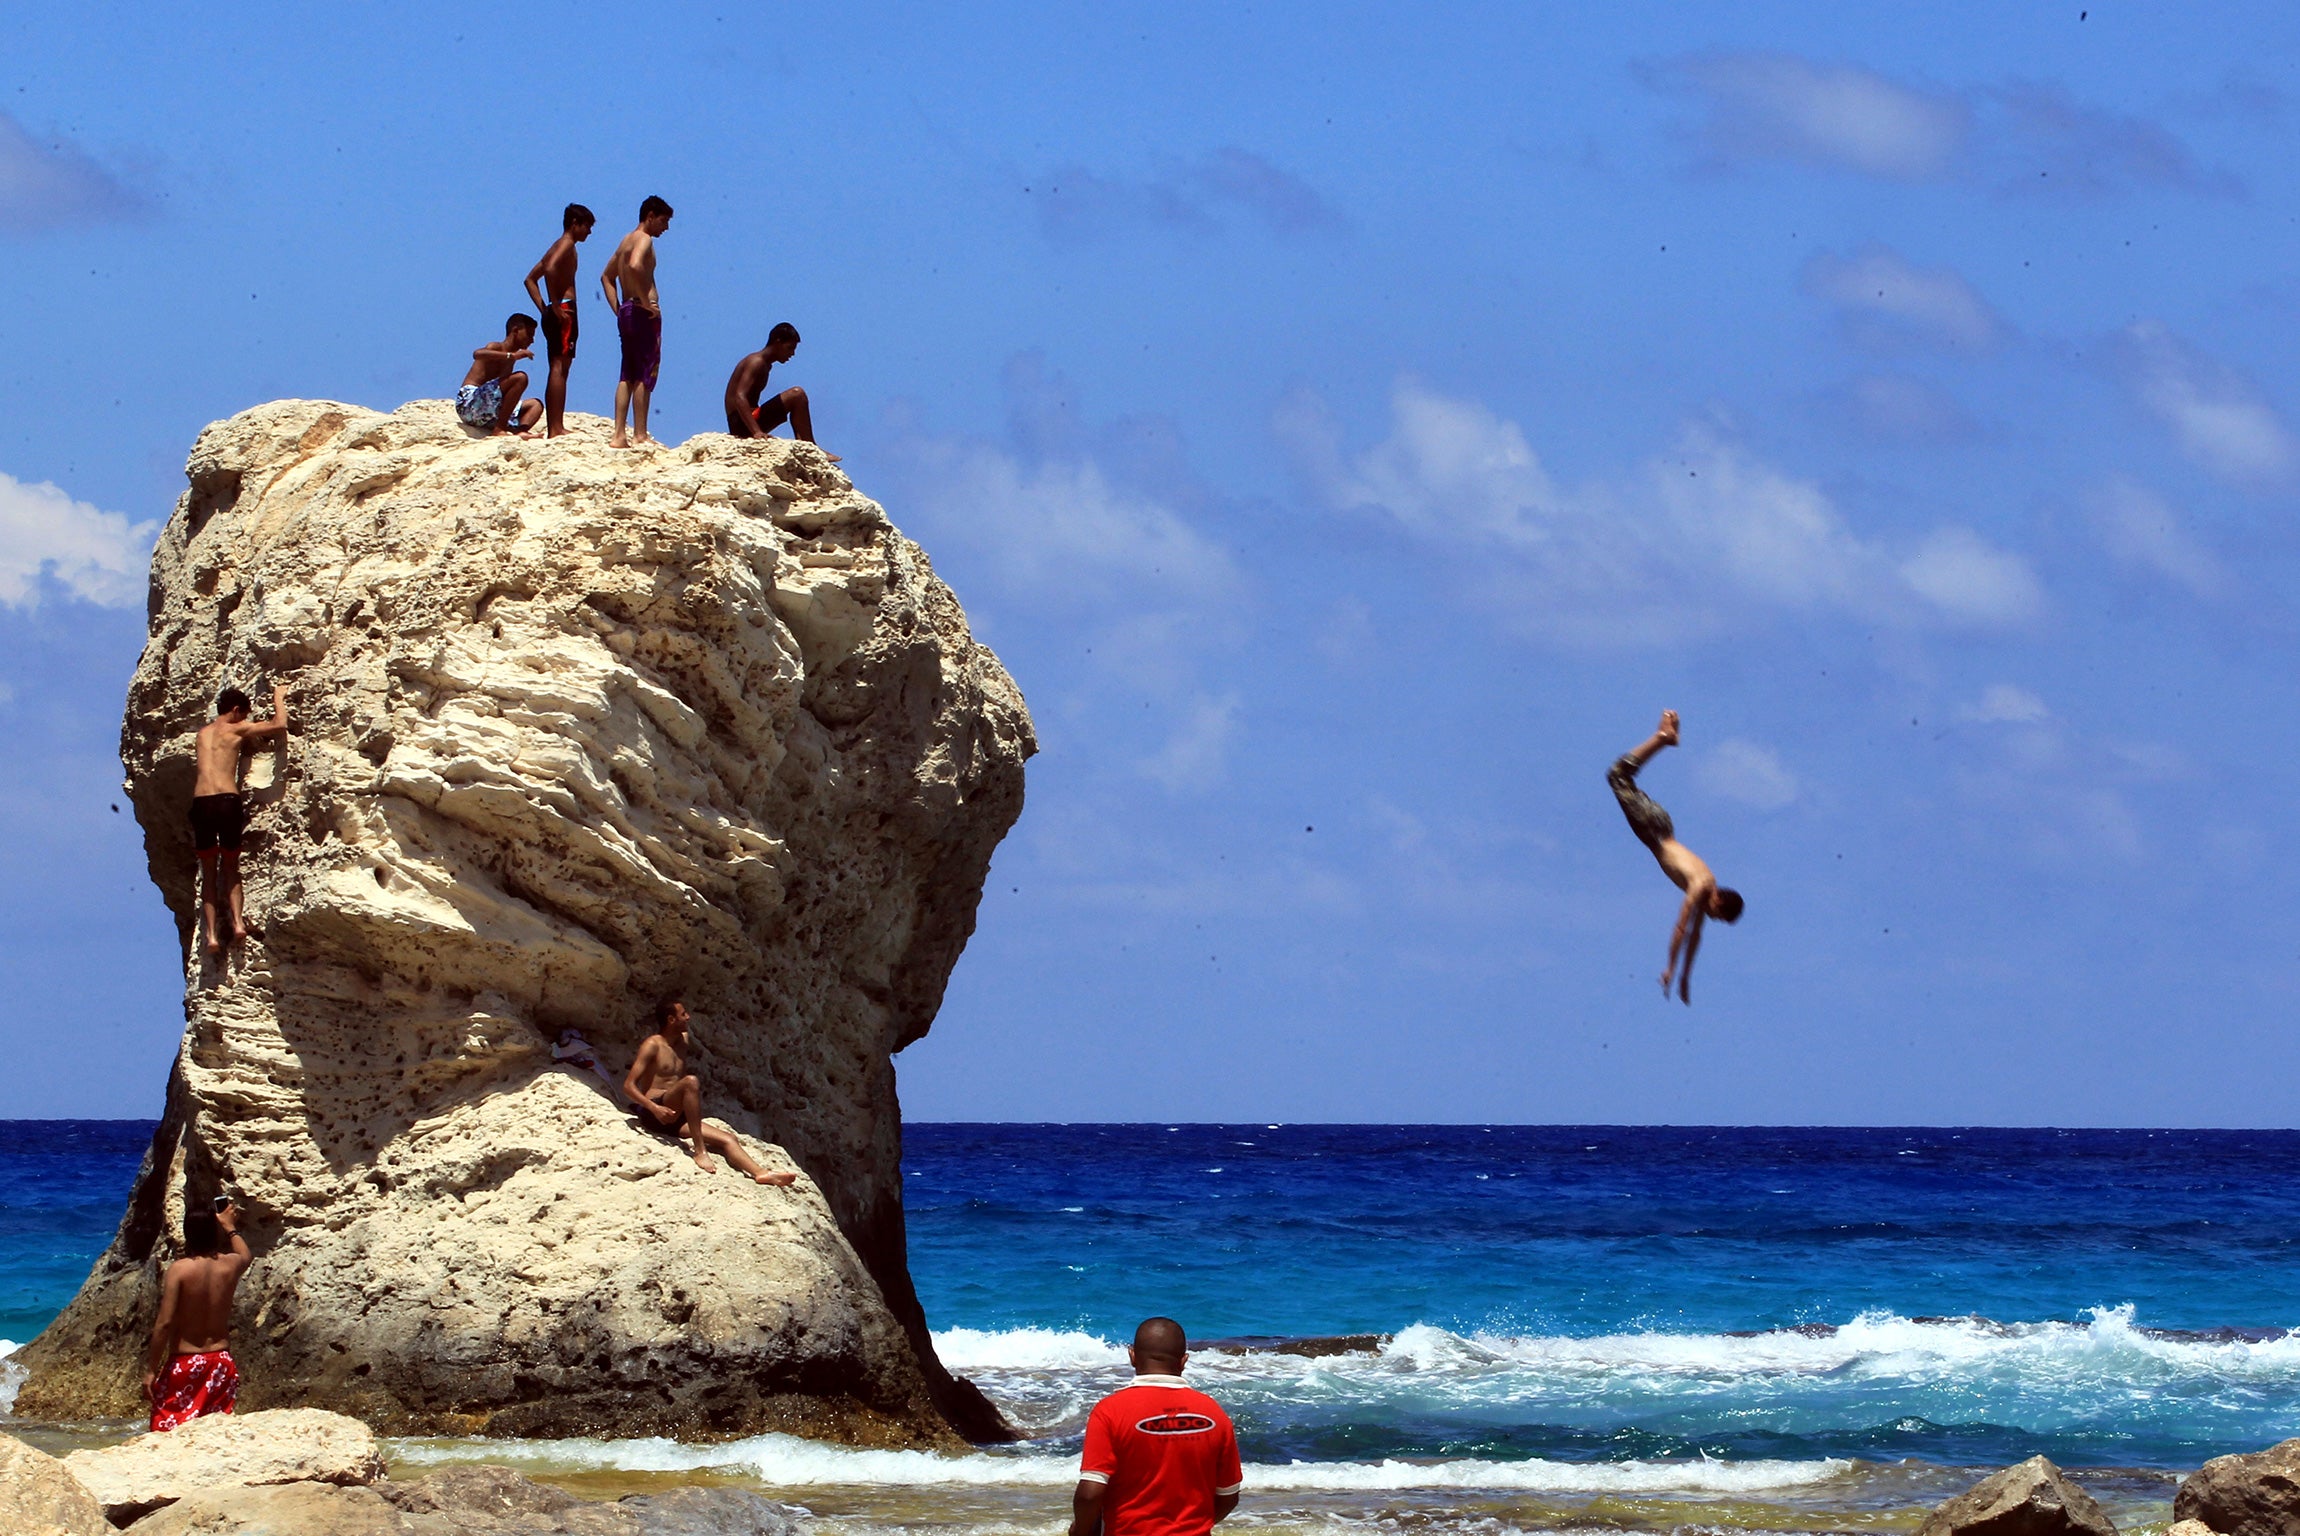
[[746, 417], [663, 1091], [557, 272], [638, 317], [1704, 897], [219, 816], [489, 399], [190, 1372]]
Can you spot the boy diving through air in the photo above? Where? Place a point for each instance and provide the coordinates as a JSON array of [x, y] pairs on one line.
[[1704, 897]]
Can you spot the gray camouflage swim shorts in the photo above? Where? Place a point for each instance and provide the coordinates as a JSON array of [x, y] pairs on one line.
[[1646, 817]]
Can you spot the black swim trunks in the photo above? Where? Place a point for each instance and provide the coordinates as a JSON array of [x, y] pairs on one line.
[[1646, 817], [559, 330], [218, 821]]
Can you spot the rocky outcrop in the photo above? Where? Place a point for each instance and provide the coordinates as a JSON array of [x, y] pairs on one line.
[[38, 1497], [574, 729], [2257, 1494], [467, 1501], [2031, 1499], [252, 1450]]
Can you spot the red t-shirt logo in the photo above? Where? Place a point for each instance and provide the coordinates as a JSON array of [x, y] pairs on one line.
[[1175, 1424]]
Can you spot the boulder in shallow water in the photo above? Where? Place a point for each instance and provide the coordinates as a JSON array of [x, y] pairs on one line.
[[40, 1497], [572, 728], [2257, 1494], [2032, 1499], [286, 1445]]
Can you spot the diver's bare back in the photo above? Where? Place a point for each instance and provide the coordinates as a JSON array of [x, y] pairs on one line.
[[218, 755]]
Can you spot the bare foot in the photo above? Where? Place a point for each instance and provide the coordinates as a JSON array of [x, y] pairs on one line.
[[1667, 730], [214, 946], [240, 933], [703, 1161], [617, 441], [779, 1180]]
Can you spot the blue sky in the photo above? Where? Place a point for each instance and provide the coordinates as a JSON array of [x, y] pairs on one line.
[[1351, 425]]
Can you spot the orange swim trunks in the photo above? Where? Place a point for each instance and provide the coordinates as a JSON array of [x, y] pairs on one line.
[[194, 1386]]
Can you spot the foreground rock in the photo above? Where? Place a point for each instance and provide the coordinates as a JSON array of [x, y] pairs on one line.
[[250, 1450], [2252, 1495], [469, 1501], [2031, 1499], [39, 1497], [574, 728]]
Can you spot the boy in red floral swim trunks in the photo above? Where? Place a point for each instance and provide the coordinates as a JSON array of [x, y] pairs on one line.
[[190, 1373]]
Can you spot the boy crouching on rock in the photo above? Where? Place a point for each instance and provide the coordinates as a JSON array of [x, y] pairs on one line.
[[489, 399]]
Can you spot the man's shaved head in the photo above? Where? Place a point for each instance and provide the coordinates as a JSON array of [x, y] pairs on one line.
[[1160, 1338]]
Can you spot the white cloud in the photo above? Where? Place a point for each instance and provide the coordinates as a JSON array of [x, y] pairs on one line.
[[1076, 204], [2217, 415], [1196, 755], [1898, 408], [2022, 139], [2140, 530], [2004, 704], [1776, 106], [1884, 299], [1673, 549], [97, 556], [1747, 772], [1968, 578], [1061, 526], [1083, 537], [51, 183]]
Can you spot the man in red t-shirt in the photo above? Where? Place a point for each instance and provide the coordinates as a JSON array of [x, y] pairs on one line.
[[1160, 1459]]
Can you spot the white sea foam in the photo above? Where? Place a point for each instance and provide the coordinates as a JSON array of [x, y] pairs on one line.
[[785, 1462], [1874, 1345], [12, 1376], [1024, 1349]]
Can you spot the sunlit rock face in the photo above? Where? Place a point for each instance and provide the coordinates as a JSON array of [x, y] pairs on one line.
[[573, 729]]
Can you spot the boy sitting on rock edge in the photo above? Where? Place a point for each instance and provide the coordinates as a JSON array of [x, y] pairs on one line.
[[489, 399]]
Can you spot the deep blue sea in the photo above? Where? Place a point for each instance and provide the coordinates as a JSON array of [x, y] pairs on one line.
[[1736, 1327]]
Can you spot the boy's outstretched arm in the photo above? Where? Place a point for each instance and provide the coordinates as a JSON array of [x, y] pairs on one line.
[[1683, 939], [1692, 948]]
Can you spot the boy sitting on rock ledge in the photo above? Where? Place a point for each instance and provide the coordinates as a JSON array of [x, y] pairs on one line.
[[489, 399], [666, 1094]]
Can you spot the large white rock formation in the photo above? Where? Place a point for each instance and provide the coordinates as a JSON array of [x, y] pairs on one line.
[[573, 728]]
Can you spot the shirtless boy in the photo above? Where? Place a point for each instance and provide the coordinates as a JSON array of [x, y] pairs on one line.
[[556, 271], [1704, 897], [638, 317], [746, 417], [489, 399], [661, 1088], [189, 1372], [219, 816]]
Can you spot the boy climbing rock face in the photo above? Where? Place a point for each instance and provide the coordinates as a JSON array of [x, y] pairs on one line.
[[1704, 897], [489, 399], [219, 816]]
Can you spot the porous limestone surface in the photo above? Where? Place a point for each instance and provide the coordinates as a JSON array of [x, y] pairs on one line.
[[251, 1450], [39, 1497], [2028, 1499], [573, 728]]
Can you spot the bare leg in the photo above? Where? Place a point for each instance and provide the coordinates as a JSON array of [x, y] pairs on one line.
[[802, 420], [530, 415], [640, 395], [209, 882], [686, 1096], [622, 408], [555, 397], [507, 417], [230, 866], [1664, 735], [732, 1150]]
